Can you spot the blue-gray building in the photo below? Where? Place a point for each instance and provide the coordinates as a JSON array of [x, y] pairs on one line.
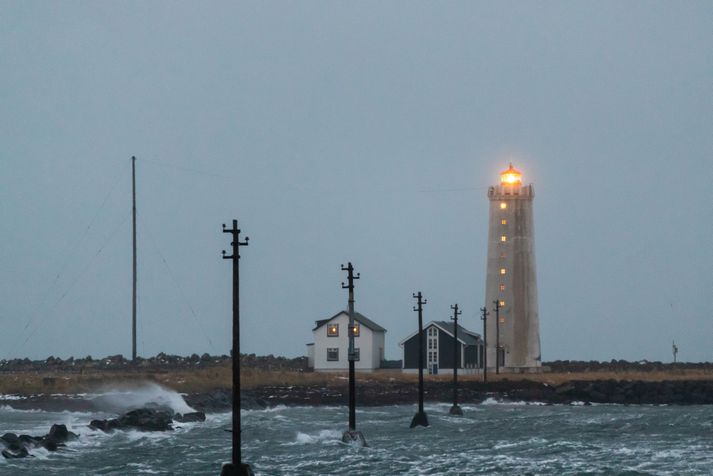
[[438, 349]]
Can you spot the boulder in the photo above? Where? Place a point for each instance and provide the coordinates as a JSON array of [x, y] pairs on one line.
[[107, 426], [146, 419], [21, 453]]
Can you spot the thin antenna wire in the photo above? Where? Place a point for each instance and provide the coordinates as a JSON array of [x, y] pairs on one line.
[[108, 239], [179, 288]]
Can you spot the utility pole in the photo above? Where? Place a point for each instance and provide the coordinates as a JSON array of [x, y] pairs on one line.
[[133, 298], [675, 350], [351, 435], [420, 419], [484, 317], [236, 467], [497, 336], [455, 409]]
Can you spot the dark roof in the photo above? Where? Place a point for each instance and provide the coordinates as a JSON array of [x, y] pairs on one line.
[[360, 318], [468, 337]]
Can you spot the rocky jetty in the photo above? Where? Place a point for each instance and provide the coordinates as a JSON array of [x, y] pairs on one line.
[[373, 393], [20, 446], [150, 418]]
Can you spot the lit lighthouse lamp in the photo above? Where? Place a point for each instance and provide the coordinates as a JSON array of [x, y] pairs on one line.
[[511, 176]]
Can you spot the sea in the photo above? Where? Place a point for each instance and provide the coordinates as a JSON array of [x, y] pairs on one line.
[[490, 438]]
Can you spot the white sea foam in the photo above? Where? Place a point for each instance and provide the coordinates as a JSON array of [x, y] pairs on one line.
[[493, 401], [9, 409], [322, 436], [126, 398], [12, 397]]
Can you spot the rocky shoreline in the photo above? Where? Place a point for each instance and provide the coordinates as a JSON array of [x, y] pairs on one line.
[[669, 392], [383, 393]]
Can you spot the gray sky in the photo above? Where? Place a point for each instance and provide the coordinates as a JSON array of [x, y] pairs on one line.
[[362, 131]]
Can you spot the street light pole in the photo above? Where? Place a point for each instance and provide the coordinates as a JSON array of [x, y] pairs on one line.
[[236, 467], [497, 336], [420, 419], [352, 435], [455, 409], [484, 317]]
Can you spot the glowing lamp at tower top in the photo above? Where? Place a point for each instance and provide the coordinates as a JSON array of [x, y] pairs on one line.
[[511, 176]]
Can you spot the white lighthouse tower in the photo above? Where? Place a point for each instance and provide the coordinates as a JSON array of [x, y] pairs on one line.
[[511, 278]]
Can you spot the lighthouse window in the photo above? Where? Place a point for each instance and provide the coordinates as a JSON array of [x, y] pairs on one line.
[[503, 221], [503, 238], [502, 271], [502, 287], [332, 354], [503, 205], [502, 303], [333, 330]]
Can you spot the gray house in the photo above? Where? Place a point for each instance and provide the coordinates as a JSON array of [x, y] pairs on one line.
[[438, 349]]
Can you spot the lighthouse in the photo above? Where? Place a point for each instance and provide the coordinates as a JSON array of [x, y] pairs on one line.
[[511, 278]]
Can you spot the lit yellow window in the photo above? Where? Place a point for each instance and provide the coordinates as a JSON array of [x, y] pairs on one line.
[[503, 205], [503, 238], [333, 330], [502, 303], [503, 221], [502, 271], [355, 329], [502, 287]]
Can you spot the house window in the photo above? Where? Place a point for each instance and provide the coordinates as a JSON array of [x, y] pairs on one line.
[[333, 330], [503, 221], [503, 238], [502, 287], [356, 354], [503, 271], [503, 205], [332, 354], [355, 329]]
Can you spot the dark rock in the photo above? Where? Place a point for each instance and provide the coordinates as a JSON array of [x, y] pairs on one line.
[[60, 434], [9, 438], [21, 453], [146, 419], [107, 426]]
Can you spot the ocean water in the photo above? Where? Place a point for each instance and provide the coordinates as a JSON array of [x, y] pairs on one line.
[[491, 438]]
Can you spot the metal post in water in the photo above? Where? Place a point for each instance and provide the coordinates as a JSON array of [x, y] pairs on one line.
[[352, 435], [420, 419], [455, 409], [484, 317], [497, 336], [236, 467]]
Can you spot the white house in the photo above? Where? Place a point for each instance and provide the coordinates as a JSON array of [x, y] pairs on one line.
[[330, 350]]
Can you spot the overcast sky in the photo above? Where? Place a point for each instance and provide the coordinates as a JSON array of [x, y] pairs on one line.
[[352, 131]]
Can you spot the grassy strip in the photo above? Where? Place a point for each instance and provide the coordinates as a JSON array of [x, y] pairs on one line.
[[206, 379]]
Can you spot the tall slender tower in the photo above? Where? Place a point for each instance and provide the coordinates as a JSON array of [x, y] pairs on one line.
[[511, 279]]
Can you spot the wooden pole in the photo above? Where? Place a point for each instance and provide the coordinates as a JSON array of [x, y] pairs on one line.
[[484, 317], [420, 419], [237, 467], [455, 409]]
